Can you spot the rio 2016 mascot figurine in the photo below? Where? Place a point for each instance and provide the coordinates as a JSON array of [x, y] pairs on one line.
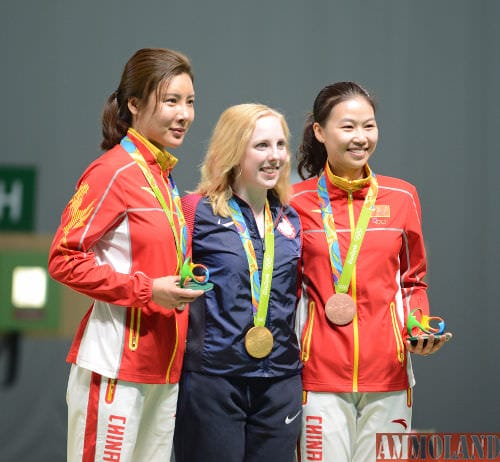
[[418, 328], [195, 276]]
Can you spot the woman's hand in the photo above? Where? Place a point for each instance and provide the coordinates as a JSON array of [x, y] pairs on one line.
[[167, 293], [428, 344]]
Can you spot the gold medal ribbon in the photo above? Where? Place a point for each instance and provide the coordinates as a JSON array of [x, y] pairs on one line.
[[260, 289]]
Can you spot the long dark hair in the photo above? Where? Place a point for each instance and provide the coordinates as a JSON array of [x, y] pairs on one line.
[[145, 72], [312, 154]]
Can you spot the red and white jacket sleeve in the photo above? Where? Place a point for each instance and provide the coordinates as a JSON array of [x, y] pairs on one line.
[[95, 209]]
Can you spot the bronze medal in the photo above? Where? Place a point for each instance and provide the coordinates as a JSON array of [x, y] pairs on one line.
[[259, 342], [340, 309]]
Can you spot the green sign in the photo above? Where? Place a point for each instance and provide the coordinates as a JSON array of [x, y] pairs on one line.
[[17, 198]]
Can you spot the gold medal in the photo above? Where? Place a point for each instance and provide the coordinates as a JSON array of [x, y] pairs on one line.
[[259, 342], [340, 309]]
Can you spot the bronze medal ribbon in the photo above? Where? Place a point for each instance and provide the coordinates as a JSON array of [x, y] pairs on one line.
[[342, 273]]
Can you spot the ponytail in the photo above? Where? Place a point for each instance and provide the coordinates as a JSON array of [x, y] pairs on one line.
[[114, 128], [312, 154]]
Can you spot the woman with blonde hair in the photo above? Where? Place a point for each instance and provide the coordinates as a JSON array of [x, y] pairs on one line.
[[240, 393]]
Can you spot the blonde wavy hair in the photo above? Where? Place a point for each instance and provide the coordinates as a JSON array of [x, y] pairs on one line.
[[226, 149]]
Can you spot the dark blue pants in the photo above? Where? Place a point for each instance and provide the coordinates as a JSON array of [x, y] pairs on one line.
[[225, 419]]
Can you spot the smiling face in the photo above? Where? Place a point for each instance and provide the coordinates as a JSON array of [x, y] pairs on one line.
[[165, 122], [350, 136], [265, 155]]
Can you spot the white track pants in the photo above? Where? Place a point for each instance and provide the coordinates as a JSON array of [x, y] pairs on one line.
[[342, 427], [110, 420]]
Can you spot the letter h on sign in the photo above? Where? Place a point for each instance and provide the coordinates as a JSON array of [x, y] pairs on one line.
[[17, 198]]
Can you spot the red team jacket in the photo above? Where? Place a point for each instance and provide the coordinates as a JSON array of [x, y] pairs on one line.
[[367, 355], [114, 238]]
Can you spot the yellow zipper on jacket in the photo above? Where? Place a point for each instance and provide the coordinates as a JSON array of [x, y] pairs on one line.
[[306, 340], [110, 391], [397, 334], [355, 326], [167, 378], [134, 334], [135, 328]]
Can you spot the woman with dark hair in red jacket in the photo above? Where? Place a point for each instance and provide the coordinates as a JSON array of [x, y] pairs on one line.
[[363, 268], [122, 242]]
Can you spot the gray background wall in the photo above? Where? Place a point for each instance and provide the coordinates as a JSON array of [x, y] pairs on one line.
[[433, 66]]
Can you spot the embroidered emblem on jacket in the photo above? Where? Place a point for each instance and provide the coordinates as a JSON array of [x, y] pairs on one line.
[[286, 228]]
